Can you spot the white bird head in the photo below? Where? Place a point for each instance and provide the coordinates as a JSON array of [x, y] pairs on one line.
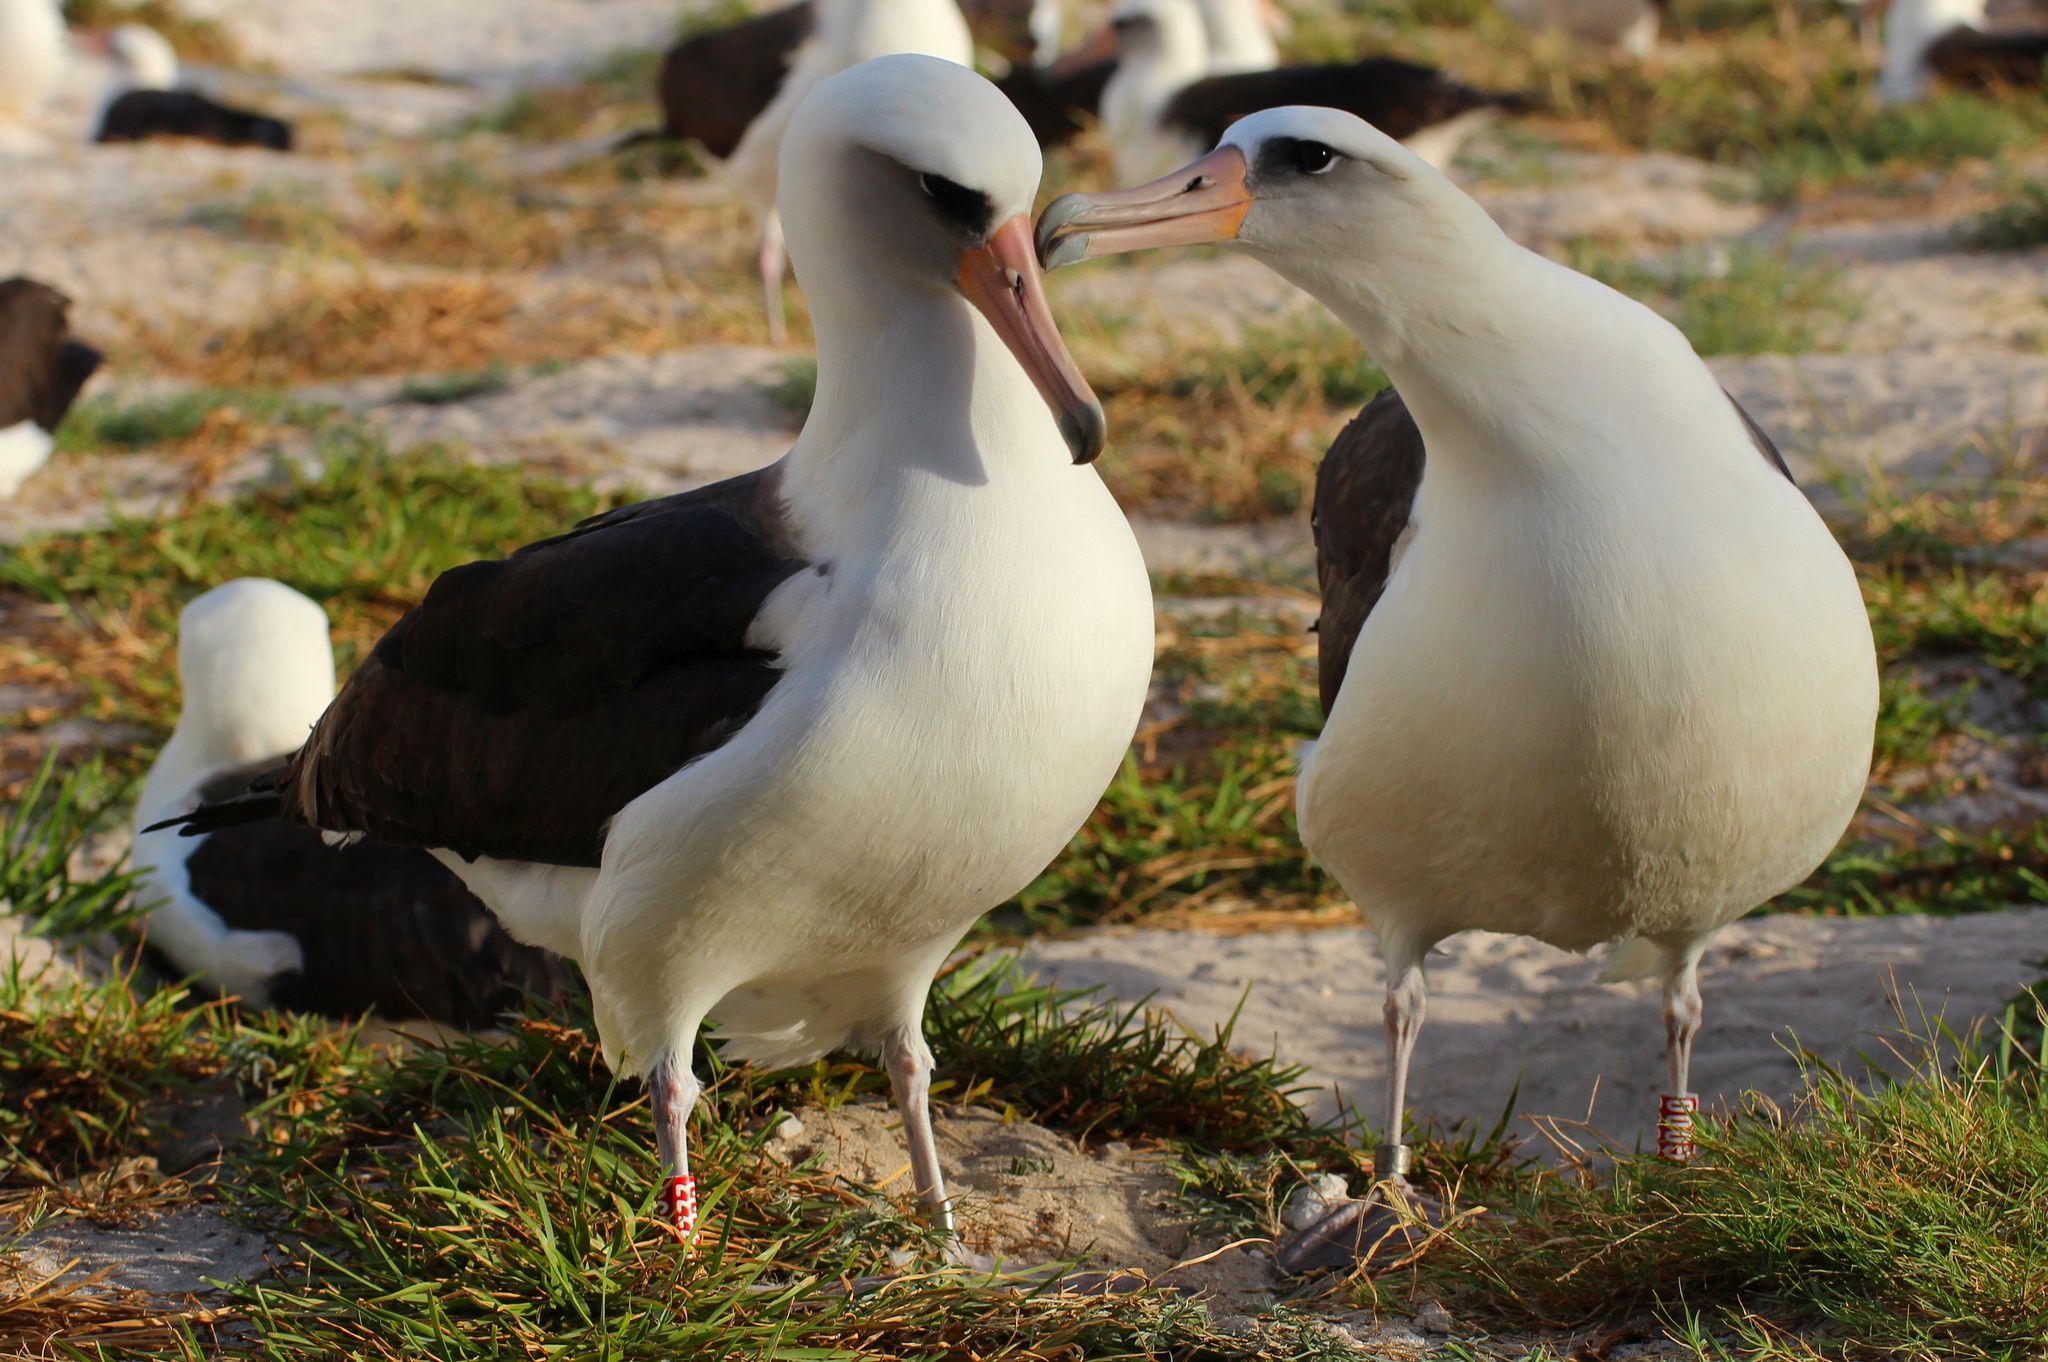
[[916, 174], [1169, 31], [1311, 192], [256, 668], [146, 59]]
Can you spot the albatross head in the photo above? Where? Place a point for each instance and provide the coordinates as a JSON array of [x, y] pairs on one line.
[[1322, 196], [907, 176]]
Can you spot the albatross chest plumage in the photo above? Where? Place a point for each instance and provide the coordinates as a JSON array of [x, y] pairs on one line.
[[1619, 682]]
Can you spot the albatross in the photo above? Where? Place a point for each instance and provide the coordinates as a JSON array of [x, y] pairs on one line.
[[267, 911], [1594, 668], [33, 53], [844, 33], [763, 751], [42, 369], [1959, 41], [1165, 103], [145, 100]]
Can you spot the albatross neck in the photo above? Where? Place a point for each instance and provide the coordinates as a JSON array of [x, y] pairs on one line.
[[913, 384]]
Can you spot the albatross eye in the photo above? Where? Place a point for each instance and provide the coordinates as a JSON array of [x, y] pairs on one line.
[[967, 209], [1311, 158]]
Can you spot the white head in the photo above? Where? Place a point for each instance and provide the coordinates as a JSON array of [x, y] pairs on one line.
[[907, 180], [1239, 37], [1911, 27], [1325, 199], [256, 668], [1170, 33], [146, 59]]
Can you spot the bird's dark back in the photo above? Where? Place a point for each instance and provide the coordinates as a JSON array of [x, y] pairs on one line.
[[714, 84], [383, 929], [142, 114], [41, 369]]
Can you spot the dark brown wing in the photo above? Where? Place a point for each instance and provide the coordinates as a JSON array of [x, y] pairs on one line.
[[382, 929], [139, 115], [41, 367], [1970, 56], [1365, 494], [1761, 439], [714, 84], [1397, 97], [528, 699], [1057, 104]]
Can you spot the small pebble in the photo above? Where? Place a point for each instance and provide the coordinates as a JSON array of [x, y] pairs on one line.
[[1432, 1318], [1312, 1201], [1116, 1151], [790, 1129]]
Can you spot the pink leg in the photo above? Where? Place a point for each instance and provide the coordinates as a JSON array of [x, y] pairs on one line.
[[770, 263], [1682, 1014], [673, 1090], [909, 1062], [1407, 1006]]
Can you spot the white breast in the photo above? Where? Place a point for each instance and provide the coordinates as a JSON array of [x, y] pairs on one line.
[[1634, 693]]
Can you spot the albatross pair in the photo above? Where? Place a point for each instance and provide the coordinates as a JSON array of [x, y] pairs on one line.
[[762, 752], [1594, 668]]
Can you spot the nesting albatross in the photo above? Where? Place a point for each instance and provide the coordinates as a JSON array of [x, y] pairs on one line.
[[763, 751], [42, 369], [1595, 669]]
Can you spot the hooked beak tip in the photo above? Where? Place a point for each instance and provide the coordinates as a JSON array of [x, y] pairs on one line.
[[1085, 430], [1053, 253]]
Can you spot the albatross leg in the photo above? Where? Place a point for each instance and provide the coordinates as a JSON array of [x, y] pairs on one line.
[[770, 263], [673, 1090], [1682, 1014], [909, 1061], [1406, 1007], [1382, 1228]]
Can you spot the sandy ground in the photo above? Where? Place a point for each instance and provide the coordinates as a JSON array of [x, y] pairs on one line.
[[1505, 1009]]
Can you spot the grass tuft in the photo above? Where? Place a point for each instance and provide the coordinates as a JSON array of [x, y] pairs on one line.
[[2019, 224], [1909, 1219]]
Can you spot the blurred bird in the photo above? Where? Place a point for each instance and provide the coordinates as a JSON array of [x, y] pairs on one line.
[[268, 911], [763, 751], [1160, 107], [146, 101], [1594, 668], [1059, 100], [33, 54], [1958, 41], [41, 371], [1630, 25]]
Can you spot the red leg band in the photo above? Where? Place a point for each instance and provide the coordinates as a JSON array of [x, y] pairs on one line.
[[1674, 1126], [679, 1206]]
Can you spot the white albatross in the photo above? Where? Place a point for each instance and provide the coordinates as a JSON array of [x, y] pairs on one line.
[[844, 33], [763, 751], [33, 53], [1595, 669]]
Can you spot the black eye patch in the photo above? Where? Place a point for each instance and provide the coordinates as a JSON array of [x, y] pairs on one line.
[[970, 210], [1296, 156]]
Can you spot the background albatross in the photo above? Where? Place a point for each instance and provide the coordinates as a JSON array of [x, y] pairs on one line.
[[763, 751], [1595, 668]]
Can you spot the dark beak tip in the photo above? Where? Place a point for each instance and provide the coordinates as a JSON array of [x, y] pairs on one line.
[[1058, 214], [1085, 430]]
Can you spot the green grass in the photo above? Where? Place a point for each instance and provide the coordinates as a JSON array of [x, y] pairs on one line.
[[364, 537], [42, 831], [1905, 1218], [1743, 300], [2018, 224], [442, 390], [99, 425]]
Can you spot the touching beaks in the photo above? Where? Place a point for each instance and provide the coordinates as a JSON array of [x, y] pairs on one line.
[[1204, 201], [1003, 281]]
